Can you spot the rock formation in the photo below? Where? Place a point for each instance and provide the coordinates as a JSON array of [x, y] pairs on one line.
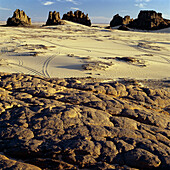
[[54, 19], [118, 20], [82, 124], [123, 28], [19, 19], [149, 20], [78, 17]]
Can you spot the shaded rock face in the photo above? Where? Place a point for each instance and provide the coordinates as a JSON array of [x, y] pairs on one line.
[[19, 19], [118, 20], [149, 20], [78, 17], [123, 28], [54, 19], [82, 123]]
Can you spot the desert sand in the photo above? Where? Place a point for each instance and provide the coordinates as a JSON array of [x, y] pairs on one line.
[[74, 50], [109, 116]]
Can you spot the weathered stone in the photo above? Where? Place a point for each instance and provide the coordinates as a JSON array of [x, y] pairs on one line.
[[19, 19], [149, 20], [140, 158], [54, 19], [80, 123], [118, 20], [6, 163], [78, 17]]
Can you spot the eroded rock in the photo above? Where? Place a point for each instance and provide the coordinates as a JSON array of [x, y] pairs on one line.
[[150, 20], [78, 17], [118, 20], [54, 19], [19, 19], [82, 123]]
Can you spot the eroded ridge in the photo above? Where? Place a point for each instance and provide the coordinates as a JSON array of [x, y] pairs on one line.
[[82, 124]]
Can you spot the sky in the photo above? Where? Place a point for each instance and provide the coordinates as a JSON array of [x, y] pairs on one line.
[[100, 11]]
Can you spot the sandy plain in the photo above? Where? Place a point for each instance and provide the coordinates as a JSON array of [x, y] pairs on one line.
[[74, 50], [49, 122]]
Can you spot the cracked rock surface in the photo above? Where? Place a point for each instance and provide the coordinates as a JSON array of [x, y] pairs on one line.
[[82, 124]]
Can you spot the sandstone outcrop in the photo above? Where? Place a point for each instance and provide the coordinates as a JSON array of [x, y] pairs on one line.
[[118, 20], [149, 20], [78, 17], [19, 19], [54, 19], [82, 123]]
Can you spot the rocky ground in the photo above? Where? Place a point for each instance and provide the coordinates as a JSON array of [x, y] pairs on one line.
[[83, 123]]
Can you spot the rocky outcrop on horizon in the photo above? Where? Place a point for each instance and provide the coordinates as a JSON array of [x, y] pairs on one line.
[[118, 20], [78, 17], [149, 20], [82, 123], [54, 19], [19, 19]]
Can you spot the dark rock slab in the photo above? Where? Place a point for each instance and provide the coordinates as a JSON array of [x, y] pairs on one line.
[[123, 28], [6, 163], [82, 123], [118, 20], [150, 20]]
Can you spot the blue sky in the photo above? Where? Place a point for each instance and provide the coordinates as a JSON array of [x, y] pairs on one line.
[[100, 11]]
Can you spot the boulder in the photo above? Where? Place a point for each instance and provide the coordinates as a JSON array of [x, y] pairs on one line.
[[54, 19], [19, 19], [78, 17], [149, 20], [118, 20]]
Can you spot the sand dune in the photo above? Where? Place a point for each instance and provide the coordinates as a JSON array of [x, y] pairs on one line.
[[74, 50]]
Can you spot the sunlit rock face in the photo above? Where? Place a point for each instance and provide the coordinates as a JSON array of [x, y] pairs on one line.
[[54, 19], [19, 19]]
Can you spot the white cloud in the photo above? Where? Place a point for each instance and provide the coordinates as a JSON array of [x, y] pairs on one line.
[[141, 3], [71, 1], [142, 0], [74, 8], [48, 3], [5, 9]]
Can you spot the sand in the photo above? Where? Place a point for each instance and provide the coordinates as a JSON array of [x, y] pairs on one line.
[[74, 50], [84, 123]]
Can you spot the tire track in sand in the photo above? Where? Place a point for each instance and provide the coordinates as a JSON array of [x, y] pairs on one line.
[[45, 66], [28, 68]]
